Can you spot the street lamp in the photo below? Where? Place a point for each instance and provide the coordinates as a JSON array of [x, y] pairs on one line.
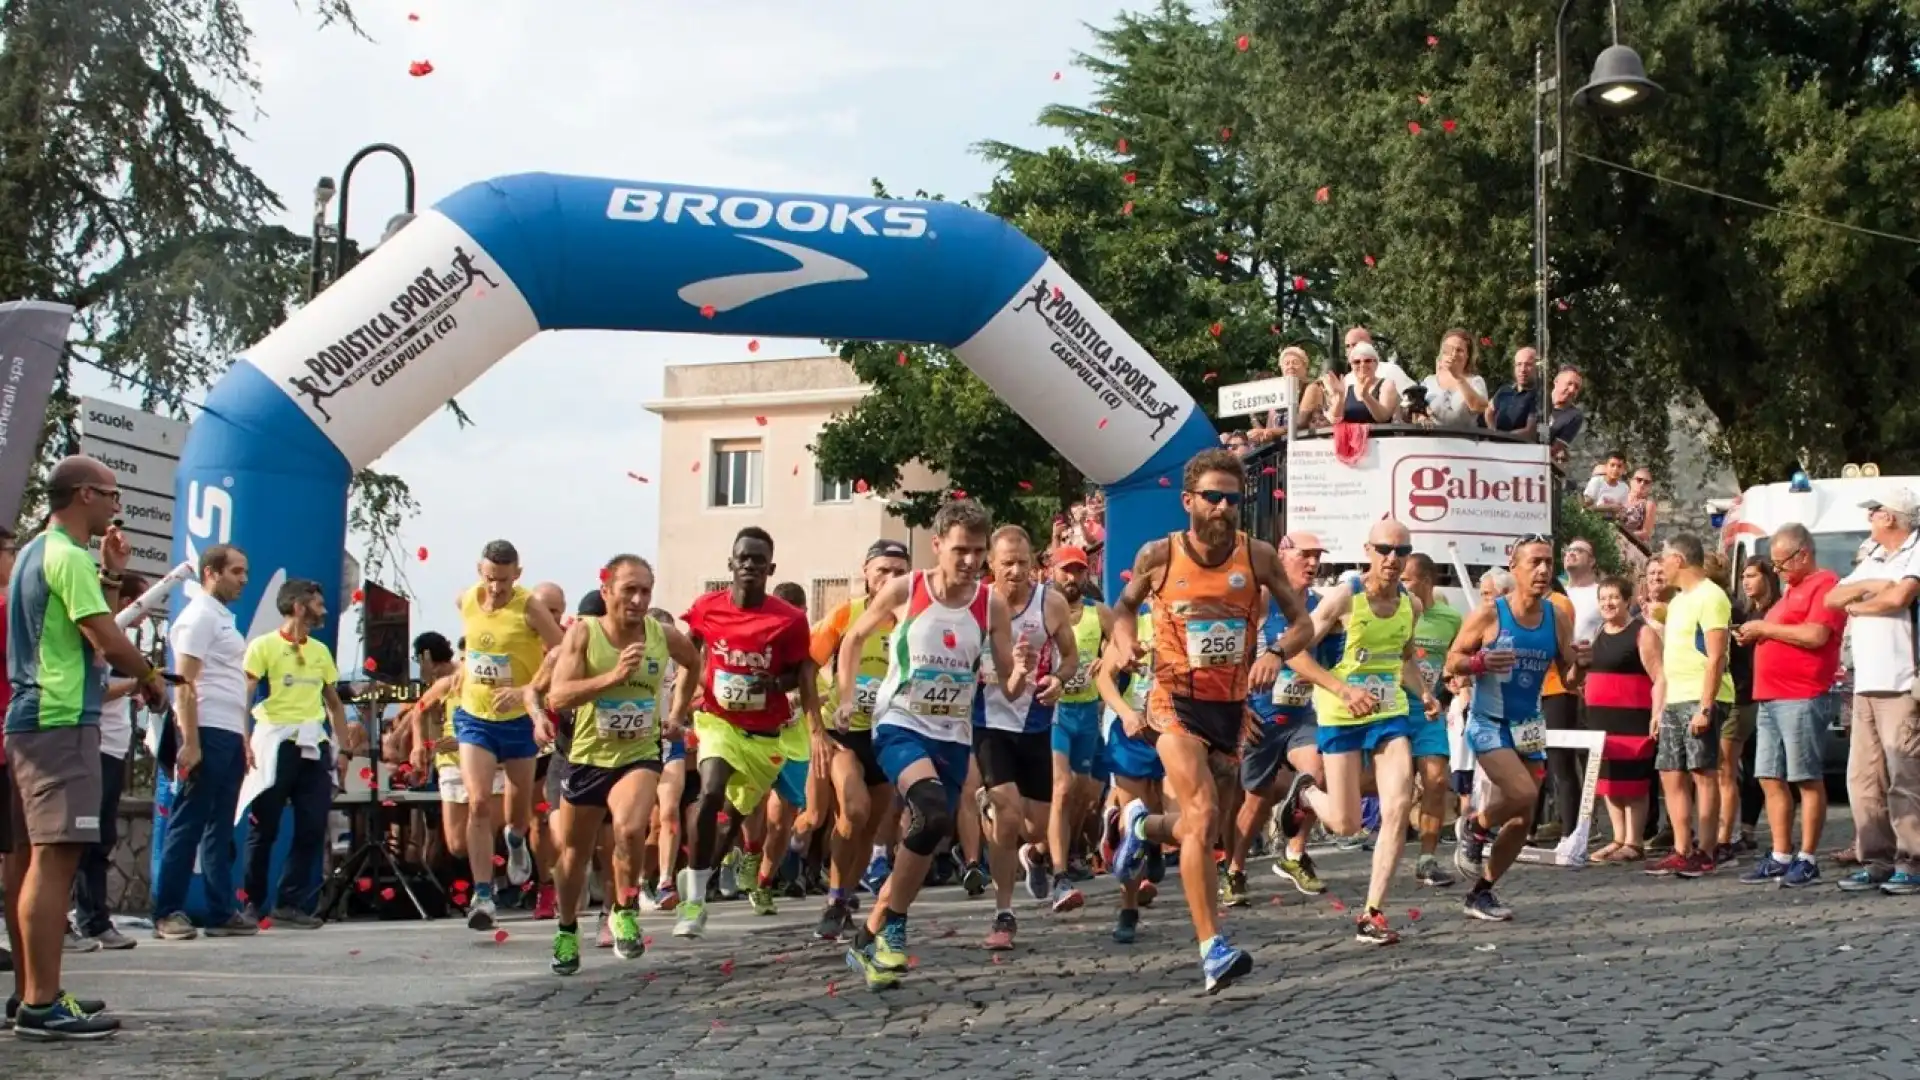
[[1619, 87], [323, 193]]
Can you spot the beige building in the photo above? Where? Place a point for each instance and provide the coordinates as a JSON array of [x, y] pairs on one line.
[[734, 451]]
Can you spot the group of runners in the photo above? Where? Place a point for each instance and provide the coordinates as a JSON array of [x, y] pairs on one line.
[[988, 712]]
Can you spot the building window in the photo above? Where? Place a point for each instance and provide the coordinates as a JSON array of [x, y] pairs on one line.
[[833, 491], [736, 472], [829, 593]]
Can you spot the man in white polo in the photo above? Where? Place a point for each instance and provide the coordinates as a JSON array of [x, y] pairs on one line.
[[210, 708], [1883, 775]]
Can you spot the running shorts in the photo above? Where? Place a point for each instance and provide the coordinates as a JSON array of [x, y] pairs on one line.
[[453, 787], [756, 760], [1076, 735], [1365, 738], [506, 740], [1131, 758], [899, 748], [1021, 758], [590, 785], [1262, 758], [860, 744]]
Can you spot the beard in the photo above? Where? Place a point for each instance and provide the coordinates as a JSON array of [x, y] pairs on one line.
[[1213, 530]]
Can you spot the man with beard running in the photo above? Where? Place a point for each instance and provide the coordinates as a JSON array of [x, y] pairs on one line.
[[1506, 647], [860, 786], [499, 723], [1076, 721], [945, 623], [1205, 585], [755, 652], [609, 671], [1012, 734], [1283, 740], [1362, 706]]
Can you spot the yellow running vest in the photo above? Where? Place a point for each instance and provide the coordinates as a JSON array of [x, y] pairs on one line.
[[621, 725], [502, 650], [1086, 641], [1375, 651]]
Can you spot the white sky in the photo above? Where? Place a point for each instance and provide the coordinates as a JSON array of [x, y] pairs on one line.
[[814, 97]]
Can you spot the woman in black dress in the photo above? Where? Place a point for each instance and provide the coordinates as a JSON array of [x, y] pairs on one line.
[[1621, 698]]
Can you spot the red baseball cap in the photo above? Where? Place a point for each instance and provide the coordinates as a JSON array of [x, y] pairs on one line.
[[1069, 556]]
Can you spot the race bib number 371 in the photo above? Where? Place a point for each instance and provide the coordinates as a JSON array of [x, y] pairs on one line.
[[735, 692]]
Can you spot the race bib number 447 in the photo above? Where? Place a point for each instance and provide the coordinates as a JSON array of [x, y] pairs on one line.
[[1216, 642], [944, 694]]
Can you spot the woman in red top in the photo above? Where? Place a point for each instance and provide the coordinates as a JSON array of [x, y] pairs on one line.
[[1622, 699]]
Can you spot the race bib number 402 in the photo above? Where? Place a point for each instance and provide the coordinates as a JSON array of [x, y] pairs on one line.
[[736, 692], [1530, 736], [1216, 642]]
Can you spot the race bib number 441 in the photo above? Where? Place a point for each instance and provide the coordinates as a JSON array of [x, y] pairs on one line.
[[735, 692], [944, 694], [490, 669], [1216, 642]]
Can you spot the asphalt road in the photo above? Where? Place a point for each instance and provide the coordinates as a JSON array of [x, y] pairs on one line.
[[1605, 973]]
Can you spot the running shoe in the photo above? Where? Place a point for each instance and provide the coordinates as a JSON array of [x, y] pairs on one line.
[[1036, 866], [762, 898], [1109, 835], [1372, 929], [668, 897], [627, 942], [1767, 871], [1723, 855], [1800, 872], [1669, 866], [1866, 879], [729, 878], [1485, 906], [692, 922], [865, 961], [974, 879], [1128, 853], [1127, 926], [1065, 897], [548, 904], [1078, 868], [111, 938], [1291, 811], [1428, 871], [62, 1021], [1223, 963], [519, 857], [1699, 865], [1000, 938], [1156, 871], [1233, 889], [877, 873], [1901, 884], [1470, 857], [603, 937], [834, 921], [890, 947], [76, 942], [89, 1006], [566, 952], [746, 871], [480, 913]]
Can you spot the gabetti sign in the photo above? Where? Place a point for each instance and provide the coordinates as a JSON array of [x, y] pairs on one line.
[[1479, 495]]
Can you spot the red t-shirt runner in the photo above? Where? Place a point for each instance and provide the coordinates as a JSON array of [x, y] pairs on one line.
[[747, 649], [1783, 672]]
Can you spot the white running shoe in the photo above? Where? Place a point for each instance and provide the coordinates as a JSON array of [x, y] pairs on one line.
[[519, 857]]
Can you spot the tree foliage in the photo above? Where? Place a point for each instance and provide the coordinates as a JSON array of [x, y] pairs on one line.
[[122, 193], [1372, 163]]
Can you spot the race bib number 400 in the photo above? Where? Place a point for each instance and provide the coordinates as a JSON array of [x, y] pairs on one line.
[[1291, 690], [624, 718], [489, 669], [945, 694], [1530, 736], [1215, 642], [735, 692], [866, 693]]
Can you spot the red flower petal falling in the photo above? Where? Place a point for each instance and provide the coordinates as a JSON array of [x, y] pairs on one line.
[[706, 311], [499, 936], [1242, 43], [420, 68], [761, 420], [861, 486], [1128, 178], [1413, 127], [1322, 195], [421, 554], [1215, 329], [753, 345], [1448, 126], [1127, 208], [359, 595], [1120, 146]]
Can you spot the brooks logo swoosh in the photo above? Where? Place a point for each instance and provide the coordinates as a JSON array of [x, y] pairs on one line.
[[739, 290]]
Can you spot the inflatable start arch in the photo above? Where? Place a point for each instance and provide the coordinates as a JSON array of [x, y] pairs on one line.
[[267, 465]]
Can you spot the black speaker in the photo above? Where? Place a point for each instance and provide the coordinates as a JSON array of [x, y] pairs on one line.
[[384, 638]]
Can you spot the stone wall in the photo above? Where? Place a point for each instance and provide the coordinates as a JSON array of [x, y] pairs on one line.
[[129, 881]]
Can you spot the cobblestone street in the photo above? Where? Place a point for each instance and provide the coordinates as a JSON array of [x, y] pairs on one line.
[[1606, 973]]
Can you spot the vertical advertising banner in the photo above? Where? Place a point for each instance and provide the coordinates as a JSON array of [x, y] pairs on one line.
[[32, 334]]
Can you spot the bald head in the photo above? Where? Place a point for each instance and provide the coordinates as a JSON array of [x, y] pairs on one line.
[[1388, 545], [1357, 335], [83, 496], [1389, 532], [552, 597], [78, 471]]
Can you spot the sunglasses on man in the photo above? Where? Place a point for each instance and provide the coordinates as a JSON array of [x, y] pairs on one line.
[[1215, 498]]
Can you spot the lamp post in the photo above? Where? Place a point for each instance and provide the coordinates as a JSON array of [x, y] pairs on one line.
[[1618, 87], [320, 276]]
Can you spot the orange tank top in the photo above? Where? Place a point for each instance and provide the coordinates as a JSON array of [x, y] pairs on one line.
[[1203, 626]]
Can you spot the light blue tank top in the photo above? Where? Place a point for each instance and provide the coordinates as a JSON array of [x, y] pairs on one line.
[[1515, 695]]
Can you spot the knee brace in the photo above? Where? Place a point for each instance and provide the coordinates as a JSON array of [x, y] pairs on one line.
[[928, 819]]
